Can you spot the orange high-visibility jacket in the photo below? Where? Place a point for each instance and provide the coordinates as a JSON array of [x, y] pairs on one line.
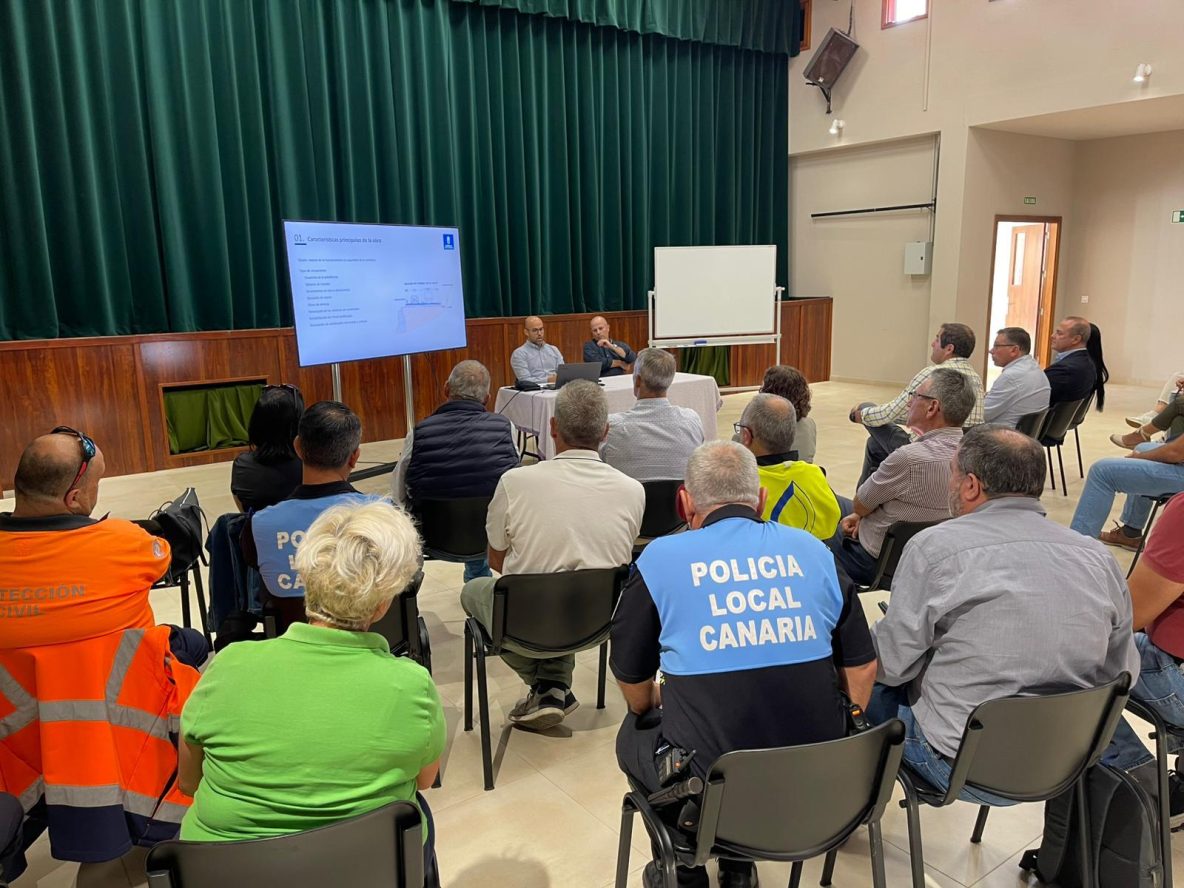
[[90, 727]]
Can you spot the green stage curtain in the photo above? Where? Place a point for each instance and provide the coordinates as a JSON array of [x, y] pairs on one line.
[[765, 25], [150, 148], [209, 418]]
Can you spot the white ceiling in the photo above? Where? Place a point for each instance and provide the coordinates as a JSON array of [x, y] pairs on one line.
[[1103, 121]]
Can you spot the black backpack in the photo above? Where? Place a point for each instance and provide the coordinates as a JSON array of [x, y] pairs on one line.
[[1124, 830], [180, 522]]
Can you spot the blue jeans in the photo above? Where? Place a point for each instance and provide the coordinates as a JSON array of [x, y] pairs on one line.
[[857, 561], [1138, 478], [478, 567], [1160, 687], [921, 758]]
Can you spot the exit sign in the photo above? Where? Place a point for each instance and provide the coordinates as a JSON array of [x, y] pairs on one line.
[[1178, 216], [1030, 201]]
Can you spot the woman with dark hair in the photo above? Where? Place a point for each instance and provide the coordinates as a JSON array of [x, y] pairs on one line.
[[789, 383], [1093, 347], [270, 470]]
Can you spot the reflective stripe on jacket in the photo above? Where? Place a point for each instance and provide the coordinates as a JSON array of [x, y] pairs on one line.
[[89, 728]]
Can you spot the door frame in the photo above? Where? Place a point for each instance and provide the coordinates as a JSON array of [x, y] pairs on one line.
[[1041, 348]]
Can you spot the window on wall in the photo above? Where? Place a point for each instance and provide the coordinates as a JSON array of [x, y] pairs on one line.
[[807, 7], [897, 12]]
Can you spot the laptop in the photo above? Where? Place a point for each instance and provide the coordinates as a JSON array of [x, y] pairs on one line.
[[568, 372]]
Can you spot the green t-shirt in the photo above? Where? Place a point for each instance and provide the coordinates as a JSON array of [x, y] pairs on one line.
[[798, 495], [305, 730]]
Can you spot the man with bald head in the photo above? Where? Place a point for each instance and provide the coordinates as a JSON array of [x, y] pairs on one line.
[[535, 360], [65, 576], [615, 357]]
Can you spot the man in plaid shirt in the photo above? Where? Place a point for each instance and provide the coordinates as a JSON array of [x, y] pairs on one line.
[[951, 348]]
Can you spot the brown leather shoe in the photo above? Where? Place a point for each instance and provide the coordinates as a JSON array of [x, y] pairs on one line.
[[1117, 538]]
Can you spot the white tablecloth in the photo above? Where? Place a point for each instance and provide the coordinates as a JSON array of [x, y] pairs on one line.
[[532, 411]]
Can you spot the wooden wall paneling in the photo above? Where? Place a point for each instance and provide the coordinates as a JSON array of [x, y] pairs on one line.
[[88, 382], [91, 389], [816, 319]]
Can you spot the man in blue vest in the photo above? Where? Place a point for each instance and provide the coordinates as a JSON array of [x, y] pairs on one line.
[[328, 442], [460, 451], [753, 632]]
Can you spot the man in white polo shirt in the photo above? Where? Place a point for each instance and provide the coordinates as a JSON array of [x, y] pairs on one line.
[[569, 513]]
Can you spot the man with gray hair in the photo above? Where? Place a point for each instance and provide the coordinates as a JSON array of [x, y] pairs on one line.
[[460, 451], [797, 493], [571, 512], [751, 629], [910, 484], [652, 440], [997, 602]]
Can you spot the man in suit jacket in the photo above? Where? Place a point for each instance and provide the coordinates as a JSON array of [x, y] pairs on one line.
[[1072, 374]]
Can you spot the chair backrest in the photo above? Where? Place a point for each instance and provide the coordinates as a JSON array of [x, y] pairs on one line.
[[452, 529], [1033, 748], [1060, 420], [1032, 424], [798, 801], [380, 849], [400, 625], [895, 539], [559, 612], [661, 508], [1079, 416]]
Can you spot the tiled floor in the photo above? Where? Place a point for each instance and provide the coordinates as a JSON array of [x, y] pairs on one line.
[[553, 819]]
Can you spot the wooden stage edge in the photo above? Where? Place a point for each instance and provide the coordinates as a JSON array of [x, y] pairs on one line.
[[111, 387]]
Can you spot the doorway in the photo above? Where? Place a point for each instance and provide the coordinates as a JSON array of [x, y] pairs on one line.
[[1025, 250]]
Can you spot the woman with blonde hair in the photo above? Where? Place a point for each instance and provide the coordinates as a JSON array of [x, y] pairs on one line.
[[323, 723]]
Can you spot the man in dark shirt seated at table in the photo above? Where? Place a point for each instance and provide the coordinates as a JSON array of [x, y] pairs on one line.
[[748, 662], [615, 357]]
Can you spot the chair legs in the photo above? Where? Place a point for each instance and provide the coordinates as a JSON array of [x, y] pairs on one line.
[[795, 875], [1061, 463], [828, 866], [203, 608], [980, 824], [186, 617], [1143, 540], [1052, 477], [876, 840], [603, 676], [1077, 441], [623, 845], [1160, 736], [912, 808], [475, 650]]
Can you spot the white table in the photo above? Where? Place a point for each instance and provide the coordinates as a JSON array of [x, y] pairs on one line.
[[532, 411]]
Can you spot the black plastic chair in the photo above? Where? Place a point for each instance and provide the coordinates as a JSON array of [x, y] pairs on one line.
[[280, 613], [1028, 749], [395, 626], [548, 615], [895, 539], [661, 513], [180, 580], [1056, 426], [380, 849], [1157, 503], [1078, 419], [452, 529], [786, 804], [1032, 424], [1162, 731]]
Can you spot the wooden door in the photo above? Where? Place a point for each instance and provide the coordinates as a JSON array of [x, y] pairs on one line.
[[1024, 276]]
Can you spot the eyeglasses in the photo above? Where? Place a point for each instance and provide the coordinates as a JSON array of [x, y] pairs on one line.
[[916, 394], [1003, 345], [282, 385], [88, 453], [736, 427]]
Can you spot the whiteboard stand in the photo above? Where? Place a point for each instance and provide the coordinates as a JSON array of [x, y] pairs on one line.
[[742, 339], [335, 373]]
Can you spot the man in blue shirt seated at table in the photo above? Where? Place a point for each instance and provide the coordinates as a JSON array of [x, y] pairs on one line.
[[536, 360], [615, 357]]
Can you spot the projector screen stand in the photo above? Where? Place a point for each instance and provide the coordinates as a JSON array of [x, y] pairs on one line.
[[335, 372]]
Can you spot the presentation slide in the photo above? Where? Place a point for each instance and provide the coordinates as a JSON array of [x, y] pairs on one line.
[[372, 291]]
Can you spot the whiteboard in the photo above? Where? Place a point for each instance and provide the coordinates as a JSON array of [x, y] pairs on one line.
[[703, 293]]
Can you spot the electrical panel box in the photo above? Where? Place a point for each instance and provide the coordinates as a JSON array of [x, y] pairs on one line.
[[918, 258]]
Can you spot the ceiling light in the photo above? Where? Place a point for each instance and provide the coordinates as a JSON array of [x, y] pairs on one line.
[[1142, 72], [836, 126]]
